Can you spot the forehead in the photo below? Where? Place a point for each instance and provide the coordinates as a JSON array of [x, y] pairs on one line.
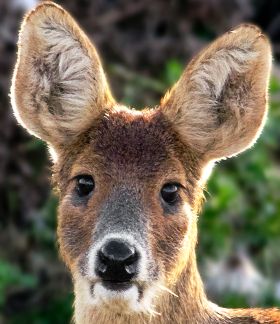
[[131, 142], [128, 139]]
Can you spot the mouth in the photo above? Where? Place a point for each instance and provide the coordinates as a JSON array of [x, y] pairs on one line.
[[120, 296], [123, 296], [116, 286], [108, 289]]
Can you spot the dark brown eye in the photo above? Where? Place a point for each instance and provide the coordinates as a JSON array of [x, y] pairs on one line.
[[170, 193], [84, 185]]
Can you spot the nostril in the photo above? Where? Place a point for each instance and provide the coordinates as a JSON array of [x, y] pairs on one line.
[[102, 267], [117, 261], [130, 269]]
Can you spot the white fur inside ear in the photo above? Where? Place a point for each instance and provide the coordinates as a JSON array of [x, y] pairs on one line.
[[66, 75], [207, 84], [210, 77]]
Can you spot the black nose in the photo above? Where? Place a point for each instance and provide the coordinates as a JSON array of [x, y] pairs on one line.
[[117, 261]]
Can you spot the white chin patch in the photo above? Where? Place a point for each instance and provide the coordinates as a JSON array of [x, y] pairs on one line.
[[98, 298], [125, 300]]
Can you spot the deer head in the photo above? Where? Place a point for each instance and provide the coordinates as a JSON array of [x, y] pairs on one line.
[[131, 182]]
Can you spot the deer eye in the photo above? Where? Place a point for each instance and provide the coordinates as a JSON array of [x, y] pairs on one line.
[[84, 185], [170, 193]]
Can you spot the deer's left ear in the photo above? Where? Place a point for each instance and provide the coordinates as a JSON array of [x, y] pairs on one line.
[[219, 104]]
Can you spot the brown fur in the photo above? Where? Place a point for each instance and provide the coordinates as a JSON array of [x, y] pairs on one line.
[[217, 109]]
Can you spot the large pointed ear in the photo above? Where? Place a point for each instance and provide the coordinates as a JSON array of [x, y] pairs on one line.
[[219, 104], [58, 86]]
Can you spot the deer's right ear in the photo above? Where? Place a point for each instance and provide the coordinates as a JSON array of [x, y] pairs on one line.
[[219, 104], [59, 86]]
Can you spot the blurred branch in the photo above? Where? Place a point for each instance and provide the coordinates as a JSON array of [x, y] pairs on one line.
[[113, 17]]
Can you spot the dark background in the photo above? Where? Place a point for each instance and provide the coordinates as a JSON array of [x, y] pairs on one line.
[[144, 46]]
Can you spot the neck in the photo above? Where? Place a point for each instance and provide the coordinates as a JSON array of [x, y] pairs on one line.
[[191, 304]]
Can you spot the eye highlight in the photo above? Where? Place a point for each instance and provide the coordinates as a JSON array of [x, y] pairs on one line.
[[170, 193], [84, 185]]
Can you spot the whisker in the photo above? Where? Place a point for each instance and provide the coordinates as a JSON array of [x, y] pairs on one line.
[[167, 289], [153, 313]]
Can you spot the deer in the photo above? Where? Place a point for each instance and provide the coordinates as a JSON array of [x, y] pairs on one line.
[[131, 182]]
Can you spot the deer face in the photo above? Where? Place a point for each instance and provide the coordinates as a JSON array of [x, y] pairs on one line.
[[126, 207], [130, 182]]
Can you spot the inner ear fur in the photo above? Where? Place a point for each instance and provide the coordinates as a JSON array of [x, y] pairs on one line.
[[58, 85], [219, 104]]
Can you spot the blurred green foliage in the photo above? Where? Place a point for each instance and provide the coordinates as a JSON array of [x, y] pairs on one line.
[[57, 311], [12, 275]]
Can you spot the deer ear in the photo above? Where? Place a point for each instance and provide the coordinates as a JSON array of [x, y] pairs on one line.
[[218, 106], [58, 86]]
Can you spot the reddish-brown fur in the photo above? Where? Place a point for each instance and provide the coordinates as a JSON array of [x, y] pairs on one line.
[[123, 147], [200, 120]]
